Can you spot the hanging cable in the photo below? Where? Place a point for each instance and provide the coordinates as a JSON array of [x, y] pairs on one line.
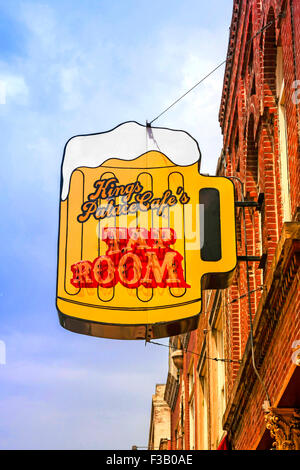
[[212, 71], [191, 89], [206, 331], [233, 301], [236, 299], [196, 354]]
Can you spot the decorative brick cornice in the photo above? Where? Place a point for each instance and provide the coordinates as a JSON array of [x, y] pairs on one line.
[[229, 59]]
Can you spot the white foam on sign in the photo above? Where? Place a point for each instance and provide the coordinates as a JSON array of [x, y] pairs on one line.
[[127, 142]]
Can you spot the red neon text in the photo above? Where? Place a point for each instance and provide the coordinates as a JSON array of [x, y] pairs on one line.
[[134, 257]]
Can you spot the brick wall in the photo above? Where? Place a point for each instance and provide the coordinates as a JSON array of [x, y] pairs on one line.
[[250, 122], [256, 160]]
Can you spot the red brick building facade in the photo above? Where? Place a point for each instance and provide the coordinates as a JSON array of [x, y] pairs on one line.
[[250, 399]]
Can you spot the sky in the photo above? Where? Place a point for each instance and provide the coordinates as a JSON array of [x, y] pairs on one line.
[[69, 67]]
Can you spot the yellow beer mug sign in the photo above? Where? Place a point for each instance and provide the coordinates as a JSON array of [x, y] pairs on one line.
[[142, 232]]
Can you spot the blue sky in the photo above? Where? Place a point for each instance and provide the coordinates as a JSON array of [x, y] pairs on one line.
[[66, 68]]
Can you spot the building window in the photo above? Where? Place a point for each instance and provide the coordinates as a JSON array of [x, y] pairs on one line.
[[254, 220], [191, 408], [284, 173], [182, 420], [176, 443], [218, 377], [203, 409], [219, 338]]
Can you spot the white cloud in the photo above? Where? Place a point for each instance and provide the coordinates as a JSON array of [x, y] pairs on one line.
[[191, 59], [13, 89], [40, 19], [69, 80]]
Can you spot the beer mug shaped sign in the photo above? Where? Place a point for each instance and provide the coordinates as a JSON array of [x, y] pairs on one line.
[[142, 232]]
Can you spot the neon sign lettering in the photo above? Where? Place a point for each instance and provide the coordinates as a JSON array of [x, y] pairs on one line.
[[132, 199], [134, 257]]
